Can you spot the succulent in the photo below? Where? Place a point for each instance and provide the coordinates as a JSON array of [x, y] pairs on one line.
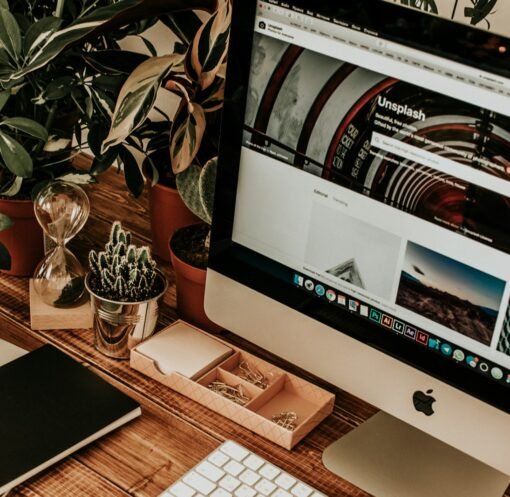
[[124, 272]]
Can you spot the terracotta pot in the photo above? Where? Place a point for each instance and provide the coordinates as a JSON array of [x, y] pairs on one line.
[[190, 283], [168, 213], [24, 240]]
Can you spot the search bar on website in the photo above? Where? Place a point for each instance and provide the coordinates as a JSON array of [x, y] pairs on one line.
[[441, 164]]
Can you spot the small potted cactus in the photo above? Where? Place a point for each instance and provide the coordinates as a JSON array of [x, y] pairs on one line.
[[125, 289]]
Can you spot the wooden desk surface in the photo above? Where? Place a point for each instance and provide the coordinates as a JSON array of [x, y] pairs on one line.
[[174, 433]]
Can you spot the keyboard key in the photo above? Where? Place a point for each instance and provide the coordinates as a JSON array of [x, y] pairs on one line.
[[220, 492], [269, 471], [233, 468], [245, 491], [235, 451], [199, 483], [218, 458], [265, 487], [249, 477], [318, 494], [229, 483], [253, 462], [281, 493], [181, 490], [285, 481], [301, 490], [210, 471]]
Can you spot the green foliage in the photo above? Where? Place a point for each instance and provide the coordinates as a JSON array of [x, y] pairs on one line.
[[195, 73], [123, 272], [61, 70], [196, 187]]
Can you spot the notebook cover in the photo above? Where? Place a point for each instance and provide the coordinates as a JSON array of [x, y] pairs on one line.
[[51, 405]]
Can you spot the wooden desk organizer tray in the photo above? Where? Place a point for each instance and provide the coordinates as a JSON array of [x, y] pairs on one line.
[[284, 393]]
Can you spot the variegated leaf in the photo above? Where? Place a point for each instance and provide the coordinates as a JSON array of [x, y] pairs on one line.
[[137, 97], [188, 186], [212, 97], [187, 133], [13, 189], [179, 88], [209, 48], [75, 32], [39, 33]]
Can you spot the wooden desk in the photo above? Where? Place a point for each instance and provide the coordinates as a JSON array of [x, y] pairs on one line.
[[174, 433]]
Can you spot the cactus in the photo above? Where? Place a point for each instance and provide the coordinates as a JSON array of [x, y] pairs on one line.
[[123, 272]]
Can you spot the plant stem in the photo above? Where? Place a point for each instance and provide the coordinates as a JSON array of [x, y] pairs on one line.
[[59, 11]]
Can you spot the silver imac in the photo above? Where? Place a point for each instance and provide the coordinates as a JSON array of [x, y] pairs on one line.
[[362, 229]]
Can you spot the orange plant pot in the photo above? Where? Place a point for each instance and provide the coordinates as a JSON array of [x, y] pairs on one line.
[[168, 213], [24, 240], [190, 283]]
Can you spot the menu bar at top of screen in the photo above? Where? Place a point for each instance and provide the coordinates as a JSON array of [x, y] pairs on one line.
[[341, 40]]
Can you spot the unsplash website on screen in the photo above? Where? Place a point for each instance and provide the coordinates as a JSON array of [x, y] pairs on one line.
[[387, 195]]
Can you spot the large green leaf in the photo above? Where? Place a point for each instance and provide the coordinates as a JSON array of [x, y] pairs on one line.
[[5, 222], [187, 133], [27, 126], [209, 48], [15, 157], [5, 259], [207, 186], [188, 185], [137, 97], [10, 34]]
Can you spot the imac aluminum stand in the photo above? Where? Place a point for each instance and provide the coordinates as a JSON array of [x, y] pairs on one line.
[[389, 458]]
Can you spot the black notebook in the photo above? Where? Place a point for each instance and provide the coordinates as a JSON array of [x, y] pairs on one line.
[[51, 406]]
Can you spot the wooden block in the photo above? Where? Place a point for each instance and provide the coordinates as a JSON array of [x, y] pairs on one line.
[[46, 317]]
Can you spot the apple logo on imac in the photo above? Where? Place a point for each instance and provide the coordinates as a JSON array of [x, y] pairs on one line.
[[423, 402]]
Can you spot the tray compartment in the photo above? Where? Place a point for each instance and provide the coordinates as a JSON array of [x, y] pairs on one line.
[[234, 364]]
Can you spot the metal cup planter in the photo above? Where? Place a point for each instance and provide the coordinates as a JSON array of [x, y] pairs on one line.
[[119, 326]]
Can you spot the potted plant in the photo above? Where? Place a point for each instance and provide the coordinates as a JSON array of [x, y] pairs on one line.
[[197, 77], [189, 246], [61, 68], [125, 289]]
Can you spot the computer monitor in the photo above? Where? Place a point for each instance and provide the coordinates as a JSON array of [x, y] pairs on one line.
[[362, 228]]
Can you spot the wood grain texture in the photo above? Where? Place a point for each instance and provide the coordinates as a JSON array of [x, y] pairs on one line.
[[174, 433]]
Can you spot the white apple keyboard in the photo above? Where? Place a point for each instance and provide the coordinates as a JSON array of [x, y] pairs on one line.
[[234, 471]]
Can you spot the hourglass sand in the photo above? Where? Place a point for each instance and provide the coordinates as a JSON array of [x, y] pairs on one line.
[[62, 209]]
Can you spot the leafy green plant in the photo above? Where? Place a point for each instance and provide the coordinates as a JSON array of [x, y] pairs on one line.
[[123, 272], [195, 73], [61, 69]]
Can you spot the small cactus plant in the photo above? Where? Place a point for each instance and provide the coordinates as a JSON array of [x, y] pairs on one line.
[[124, 272]]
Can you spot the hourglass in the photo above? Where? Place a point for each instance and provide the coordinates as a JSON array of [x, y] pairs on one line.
[[62, 209]]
